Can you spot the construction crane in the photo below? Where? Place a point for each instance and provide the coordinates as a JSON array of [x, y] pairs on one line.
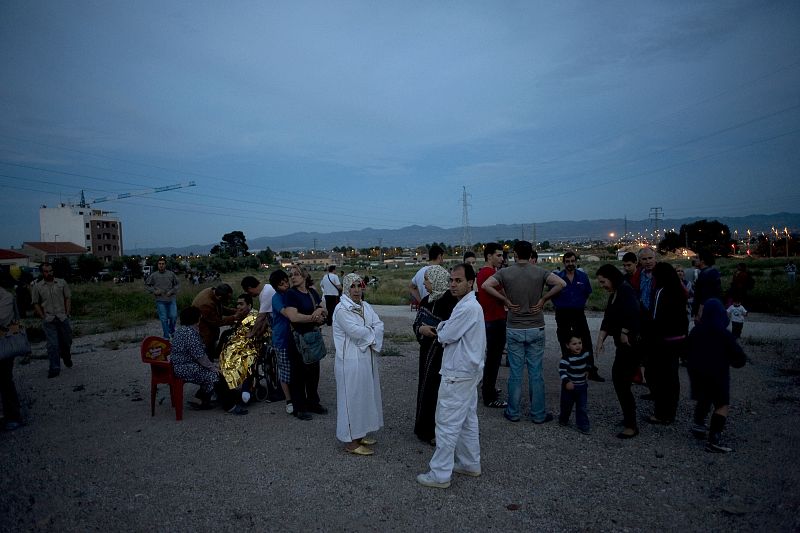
[[123, 195]]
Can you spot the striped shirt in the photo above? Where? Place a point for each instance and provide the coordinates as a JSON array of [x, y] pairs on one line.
[[574, 368]]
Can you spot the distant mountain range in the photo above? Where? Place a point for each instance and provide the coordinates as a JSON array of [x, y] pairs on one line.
[[554, 231]]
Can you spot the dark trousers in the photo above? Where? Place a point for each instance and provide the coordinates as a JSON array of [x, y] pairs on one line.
[[571, 322], [304, 383], [625, 364], [495, 344], [663, 377], [736, 329], [58, 334], [579, 397], [8, 392], [330, 304]]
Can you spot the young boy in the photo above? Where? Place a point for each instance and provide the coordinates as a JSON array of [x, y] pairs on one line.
[[737, 312], [574, 388]]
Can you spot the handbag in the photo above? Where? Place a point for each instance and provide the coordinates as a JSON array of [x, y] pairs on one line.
[[14, 341], [311, 345]]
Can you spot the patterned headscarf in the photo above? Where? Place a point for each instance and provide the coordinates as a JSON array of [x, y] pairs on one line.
[[440, 281], [349, 280]]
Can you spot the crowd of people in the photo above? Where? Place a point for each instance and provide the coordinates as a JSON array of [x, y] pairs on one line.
[[465, 321]]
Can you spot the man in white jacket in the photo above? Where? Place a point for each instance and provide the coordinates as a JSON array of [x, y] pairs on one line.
[[464, 339]]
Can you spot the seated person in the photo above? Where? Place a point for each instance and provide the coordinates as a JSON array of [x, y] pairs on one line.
[[239, 350], [191, 364]]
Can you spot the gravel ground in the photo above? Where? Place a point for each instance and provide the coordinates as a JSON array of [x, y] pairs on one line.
[[92, 458]]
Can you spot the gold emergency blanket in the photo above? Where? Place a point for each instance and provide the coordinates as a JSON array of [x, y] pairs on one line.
[[239, 354]]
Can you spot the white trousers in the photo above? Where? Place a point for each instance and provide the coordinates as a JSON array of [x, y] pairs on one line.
[[457, 438]]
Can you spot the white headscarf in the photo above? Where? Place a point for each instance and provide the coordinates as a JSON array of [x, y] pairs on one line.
[[347, 282], [440, 281]]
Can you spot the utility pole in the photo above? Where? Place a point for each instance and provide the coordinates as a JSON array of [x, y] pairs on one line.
[[314, 249], [466, 238], [533, 234], [626, 227], [656, 216], [380, 249]]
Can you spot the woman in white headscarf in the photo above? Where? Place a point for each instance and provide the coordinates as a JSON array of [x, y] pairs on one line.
[[358, 337], [435, 307]]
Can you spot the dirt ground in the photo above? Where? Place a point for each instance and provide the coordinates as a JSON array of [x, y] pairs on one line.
[[92, 458]]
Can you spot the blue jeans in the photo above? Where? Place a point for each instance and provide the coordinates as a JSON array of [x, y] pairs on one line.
[[526, 347], [168, 315], [58, 334], [578, 397]]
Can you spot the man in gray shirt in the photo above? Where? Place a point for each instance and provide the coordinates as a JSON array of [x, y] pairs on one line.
[[524, 295], [163, 284], [52, 301]]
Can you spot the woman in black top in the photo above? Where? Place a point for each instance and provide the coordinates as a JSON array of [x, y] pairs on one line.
[[670, 326], [621, 322], [435, 307], [305, 310]]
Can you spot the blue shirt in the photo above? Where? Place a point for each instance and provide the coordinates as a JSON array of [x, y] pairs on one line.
[[281, 327], [576, 293]]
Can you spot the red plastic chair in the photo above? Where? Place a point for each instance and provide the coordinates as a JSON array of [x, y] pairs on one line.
[[155, 352]]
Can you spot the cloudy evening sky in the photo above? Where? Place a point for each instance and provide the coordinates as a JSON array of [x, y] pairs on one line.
[[332, 115]]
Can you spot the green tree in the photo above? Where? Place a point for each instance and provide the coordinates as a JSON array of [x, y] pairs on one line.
[[88, 266], [266, 256], [671, 242], [713, 236], [233, 244], [62, 268]]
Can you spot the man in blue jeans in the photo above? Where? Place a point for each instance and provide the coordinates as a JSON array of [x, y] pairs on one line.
[[163, 284], [52, 301], [527, 288]]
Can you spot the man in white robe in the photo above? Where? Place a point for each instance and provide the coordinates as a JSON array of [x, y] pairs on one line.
[[358, 338], [464, 339]]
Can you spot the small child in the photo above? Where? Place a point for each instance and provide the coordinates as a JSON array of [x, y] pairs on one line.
[[712, 351], [737, 312], [574, 388]]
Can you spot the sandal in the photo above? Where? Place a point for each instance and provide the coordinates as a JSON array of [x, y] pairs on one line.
[[360, 450], [366, 441]]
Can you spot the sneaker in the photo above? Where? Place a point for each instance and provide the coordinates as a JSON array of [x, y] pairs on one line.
[[563, 422], [289, 408], [509, 417], [53, 373], [68, 361], [717, 448], [699, 431], [547, 418], [302, 415], [237, 410], [458, 469], [428, 480], [585, 431], [245, 397], [11, 425], [496, 404]]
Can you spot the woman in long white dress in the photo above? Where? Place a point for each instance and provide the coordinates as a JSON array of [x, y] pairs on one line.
[[358, 337]]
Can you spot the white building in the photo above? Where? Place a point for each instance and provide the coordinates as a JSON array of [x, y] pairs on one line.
[[95, 229]]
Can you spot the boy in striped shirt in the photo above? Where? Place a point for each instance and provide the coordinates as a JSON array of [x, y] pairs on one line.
[[573, 369]]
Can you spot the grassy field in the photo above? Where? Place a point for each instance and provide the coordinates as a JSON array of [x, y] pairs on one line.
[[104, 306]]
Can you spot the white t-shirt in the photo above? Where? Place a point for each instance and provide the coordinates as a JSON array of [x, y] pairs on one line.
[[265, 299], [736, 313], [419, 281], [328, 284]]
